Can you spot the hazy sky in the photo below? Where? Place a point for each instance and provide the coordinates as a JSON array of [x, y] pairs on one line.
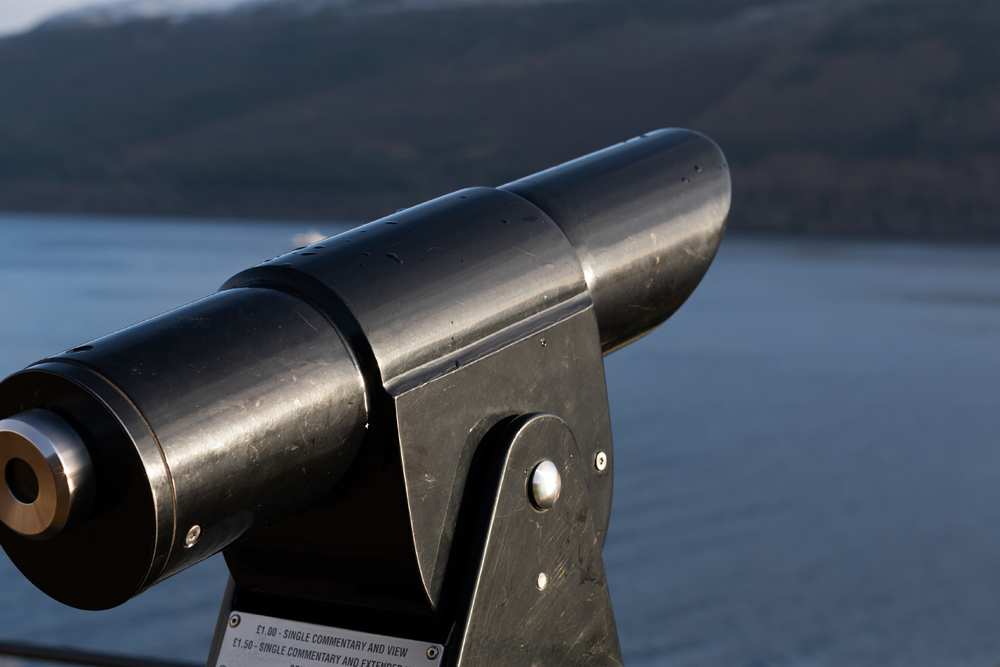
[[18, 15]]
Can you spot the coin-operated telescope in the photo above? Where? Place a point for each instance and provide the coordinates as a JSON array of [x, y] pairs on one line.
[[398, 436]]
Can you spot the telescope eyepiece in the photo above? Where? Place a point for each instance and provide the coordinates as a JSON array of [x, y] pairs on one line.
[[48, 479]]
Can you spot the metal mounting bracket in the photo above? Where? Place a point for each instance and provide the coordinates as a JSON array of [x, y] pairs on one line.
[[539, 595]]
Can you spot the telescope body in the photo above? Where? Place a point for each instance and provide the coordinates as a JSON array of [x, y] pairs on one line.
[[322, 415]]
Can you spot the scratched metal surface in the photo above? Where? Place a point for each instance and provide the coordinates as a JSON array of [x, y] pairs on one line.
[[807, 468]]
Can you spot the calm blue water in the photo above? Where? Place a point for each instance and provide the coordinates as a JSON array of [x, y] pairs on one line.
[[808, 453]]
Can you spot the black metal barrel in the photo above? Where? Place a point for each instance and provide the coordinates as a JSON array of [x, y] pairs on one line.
[[134, 456]]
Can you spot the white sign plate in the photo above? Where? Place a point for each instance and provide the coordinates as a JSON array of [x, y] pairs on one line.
[[262, 641]]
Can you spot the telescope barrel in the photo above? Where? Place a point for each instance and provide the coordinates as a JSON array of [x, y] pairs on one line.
[[645, 218], [201, 424], [143, 452]]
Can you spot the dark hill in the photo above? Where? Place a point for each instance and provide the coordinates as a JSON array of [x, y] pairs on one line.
[[866, 116]]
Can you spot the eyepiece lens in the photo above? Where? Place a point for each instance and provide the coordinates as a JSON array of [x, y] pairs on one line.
[[21, 481]]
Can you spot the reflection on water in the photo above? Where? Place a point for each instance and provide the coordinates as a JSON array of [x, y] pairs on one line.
[[808, 470]]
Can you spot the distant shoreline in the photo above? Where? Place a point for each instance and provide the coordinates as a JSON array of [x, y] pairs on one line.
[[327, 227], [871, 118]]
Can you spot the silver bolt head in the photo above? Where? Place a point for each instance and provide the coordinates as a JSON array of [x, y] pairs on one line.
[[193, 535], [546, 484], [542, 581], [432, 652], [234, 620], [601, 461]]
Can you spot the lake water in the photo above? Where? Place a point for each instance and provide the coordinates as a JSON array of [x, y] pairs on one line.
[[808, 453]]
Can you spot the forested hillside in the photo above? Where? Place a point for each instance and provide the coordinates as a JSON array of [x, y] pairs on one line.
[[870, 116]]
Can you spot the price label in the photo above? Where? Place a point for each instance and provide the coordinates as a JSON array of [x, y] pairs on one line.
[[252, 640]]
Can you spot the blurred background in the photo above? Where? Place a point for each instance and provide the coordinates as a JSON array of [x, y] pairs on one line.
[[807, 469]]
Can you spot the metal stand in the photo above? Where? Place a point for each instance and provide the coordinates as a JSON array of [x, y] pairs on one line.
[[493, 573]]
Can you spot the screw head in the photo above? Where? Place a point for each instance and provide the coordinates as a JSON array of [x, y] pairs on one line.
[[193, 535], [546, 484], [234, 620], [542, 581], [432, 652], [601, 461]]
